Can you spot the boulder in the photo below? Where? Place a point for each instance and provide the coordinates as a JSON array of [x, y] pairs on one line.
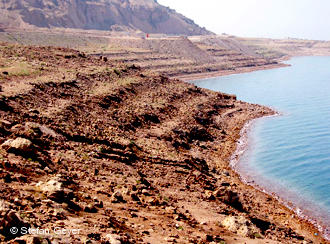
[[10, 221], [231, 198], [239, 225], [112, 239], [145, 192], [55, 190], [35, 130], [52, 186], [91, 208], [209, 195], [135, 197], [19, 144], [117, 197]]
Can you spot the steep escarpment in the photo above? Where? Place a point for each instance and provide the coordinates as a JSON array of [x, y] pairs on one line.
[[128, 15]]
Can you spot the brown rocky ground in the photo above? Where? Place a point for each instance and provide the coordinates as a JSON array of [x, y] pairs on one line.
[[124, 156], [175, 56], [167, 55]]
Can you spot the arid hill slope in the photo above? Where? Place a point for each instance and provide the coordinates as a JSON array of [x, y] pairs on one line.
[[171, 56], [119, 15], [125, 156], [177, 56], [190, 57], [283, 48]]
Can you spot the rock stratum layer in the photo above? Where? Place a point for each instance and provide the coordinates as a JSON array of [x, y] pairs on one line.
[[188, 58], [125, 156], [118, 15]]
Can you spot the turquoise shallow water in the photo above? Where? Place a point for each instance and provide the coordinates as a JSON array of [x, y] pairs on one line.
[[288, 154]]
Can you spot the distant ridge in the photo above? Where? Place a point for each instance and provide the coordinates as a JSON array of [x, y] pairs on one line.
[[119, 15]]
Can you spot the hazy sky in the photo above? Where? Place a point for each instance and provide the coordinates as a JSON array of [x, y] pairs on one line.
[[308, 19]]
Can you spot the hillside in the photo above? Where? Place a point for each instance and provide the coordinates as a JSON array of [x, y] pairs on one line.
[[118, 15], [285, 48], [124, 155], [171, 56], [187, 58]]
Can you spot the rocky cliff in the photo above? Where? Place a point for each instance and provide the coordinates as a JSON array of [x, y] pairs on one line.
[[145, 15]]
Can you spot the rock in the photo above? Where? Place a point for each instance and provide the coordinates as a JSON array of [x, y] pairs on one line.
[[225, 184], [170, 239], [19, 144], [31, 129], [51, 186], [144, 181], [214, 239], [217, 193], [135, 197], [239, 225], [170, 210], [10, 219], [31, 240], [199, 134], [126, 192], [4, 104], [99, 204], [8, 178], [112, 239], [56, 191], [47, 170], [145, 192], [209, 195], [33, 111], [117, 197], [90, 209], [153, 202], [95, 236], [4, 123], [209, 238], [180, 216], [231, 198]]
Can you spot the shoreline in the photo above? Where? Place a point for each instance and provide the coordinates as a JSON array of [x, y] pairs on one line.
[[242, 147], [145, 158], [311, 225], [207, 75]]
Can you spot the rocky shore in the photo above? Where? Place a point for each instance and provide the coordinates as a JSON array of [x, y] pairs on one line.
[[206, 75], [94, 151]]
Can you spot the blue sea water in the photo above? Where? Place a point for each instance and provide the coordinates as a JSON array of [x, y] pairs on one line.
[[288, 155]]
